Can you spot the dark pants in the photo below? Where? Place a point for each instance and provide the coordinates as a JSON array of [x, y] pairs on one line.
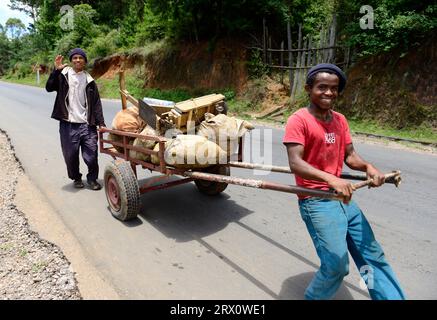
[[75, 136]]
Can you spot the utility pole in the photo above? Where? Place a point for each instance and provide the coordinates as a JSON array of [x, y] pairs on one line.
[[37, 74]]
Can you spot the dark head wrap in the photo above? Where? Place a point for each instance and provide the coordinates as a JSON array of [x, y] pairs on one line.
[[77, 51], [331, 68]]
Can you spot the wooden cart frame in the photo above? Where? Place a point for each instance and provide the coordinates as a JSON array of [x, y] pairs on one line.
[[121, 182]]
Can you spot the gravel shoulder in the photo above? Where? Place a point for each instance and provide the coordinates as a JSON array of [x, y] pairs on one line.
[[39, 257]]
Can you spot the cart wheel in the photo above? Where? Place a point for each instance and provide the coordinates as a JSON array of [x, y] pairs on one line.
[[122, 192], [212, 188]]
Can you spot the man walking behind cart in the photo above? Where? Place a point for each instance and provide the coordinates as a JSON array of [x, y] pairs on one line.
[[318, 141], [79, 110]]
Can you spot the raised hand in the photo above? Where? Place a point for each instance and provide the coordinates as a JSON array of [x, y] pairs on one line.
[[58, 62]]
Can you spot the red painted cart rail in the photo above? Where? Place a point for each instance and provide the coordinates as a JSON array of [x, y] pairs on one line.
[[123, 191]]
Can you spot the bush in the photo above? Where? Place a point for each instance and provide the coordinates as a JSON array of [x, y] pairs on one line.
[[399, 24], [84, 28], [83, 33], [104, 45], [41, 58], [22, 69], [255, 65], [152, 28], [66, 43]]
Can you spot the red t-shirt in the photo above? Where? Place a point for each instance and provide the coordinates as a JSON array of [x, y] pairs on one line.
[[324, 143]]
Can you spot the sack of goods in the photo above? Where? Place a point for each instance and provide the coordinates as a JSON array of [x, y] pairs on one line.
[[147, 144], [191, 152], [223, 130], [127, 120]]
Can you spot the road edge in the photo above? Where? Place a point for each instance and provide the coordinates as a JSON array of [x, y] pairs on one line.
[[46, 222]]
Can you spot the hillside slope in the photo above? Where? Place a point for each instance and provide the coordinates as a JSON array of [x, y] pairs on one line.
[[394, 88], [192, 67]]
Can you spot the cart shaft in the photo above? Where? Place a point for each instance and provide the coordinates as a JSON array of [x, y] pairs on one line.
[[279, 169], [260, 184]]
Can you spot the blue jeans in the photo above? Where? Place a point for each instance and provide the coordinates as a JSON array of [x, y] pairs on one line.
[[336, 228]]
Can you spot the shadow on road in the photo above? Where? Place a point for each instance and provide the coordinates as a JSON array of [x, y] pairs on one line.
[[69, 187], [184, 214], [293, 288]]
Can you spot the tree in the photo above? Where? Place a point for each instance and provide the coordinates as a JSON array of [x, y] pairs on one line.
[[14, 28], [5, 51], [29, 7], [130, 22], [84, 28], [153, 27], [397, 24], [204, 19]]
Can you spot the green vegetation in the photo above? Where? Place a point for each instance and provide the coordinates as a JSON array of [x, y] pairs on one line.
[[7, 246], [421, 133], [239, 106], [108, 88], [39, 266], [28, 79], [23, 253], [104, 27], [139, 27], [397, 24]]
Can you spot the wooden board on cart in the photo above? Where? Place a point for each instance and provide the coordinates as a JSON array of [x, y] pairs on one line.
[[187, 114]]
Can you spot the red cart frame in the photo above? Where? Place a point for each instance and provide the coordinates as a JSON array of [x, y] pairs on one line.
[[121, 183]]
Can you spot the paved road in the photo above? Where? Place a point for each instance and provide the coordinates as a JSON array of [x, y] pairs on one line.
[[243, 244]]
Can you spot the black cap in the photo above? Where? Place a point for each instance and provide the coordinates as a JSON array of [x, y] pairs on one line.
[[77, 51], [331, 68]]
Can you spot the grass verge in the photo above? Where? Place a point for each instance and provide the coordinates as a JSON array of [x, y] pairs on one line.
[[108, 88], [239, 107], [28, 80], [421, 133]]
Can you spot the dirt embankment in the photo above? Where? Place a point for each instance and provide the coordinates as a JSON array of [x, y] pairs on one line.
[[193, 67], [198, 67], [109, 67], [394, 88]]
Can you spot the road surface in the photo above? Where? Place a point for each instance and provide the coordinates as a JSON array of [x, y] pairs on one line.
[[245, 243]]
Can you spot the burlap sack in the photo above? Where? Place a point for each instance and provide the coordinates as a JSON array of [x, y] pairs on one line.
[[148, 144], [223, 130], [128, 120], [155, 159], [191, 152], [117, 138]]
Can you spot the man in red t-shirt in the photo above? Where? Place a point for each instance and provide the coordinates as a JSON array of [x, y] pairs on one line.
[[318, 141]]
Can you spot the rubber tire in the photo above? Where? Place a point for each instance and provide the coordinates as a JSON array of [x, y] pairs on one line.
[[128, 190], [212, 188]]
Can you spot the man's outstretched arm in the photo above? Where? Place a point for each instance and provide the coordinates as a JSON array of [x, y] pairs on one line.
[[355, 162], [304, 170]]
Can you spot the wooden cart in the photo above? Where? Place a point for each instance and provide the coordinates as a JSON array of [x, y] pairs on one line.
[[120, 176]]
